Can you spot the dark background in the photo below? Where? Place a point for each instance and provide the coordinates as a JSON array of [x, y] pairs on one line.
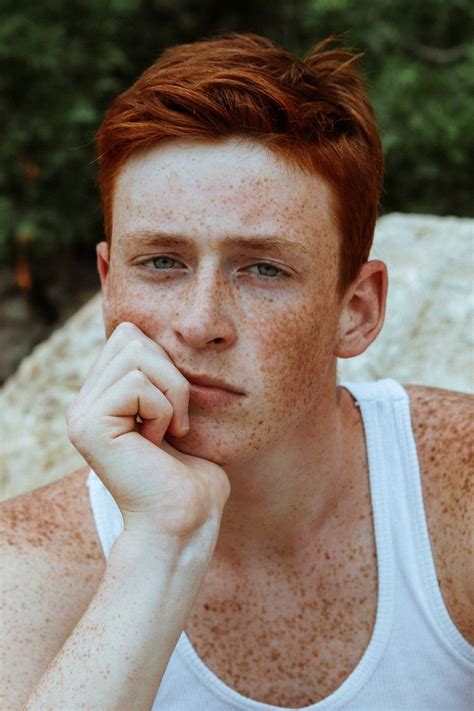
[[62, 63]]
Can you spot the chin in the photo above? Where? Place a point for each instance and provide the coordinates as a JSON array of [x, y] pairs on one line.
[[196, 447]]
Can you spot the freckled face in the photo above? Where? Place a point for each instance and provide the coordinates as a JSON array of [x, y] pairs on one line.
[[264, 319]]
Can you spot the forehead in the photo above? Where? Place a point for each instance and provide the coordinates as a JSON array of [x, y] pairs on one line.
[[205, 190]]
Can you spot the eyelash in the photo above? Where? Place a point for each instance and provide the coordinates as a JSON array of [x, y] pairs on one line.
[[282, 274]]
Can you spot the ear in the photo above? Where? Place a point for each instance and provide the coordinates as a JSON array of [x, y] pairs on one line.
[[103, 265], [363, 313]]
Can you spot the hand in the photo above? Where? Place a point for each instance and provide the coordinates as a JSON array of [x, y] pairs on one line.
[[159, 490]]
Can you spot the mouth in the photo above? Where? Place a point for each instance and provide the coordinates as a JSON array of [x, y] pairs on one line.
[[208, 382], [206, 396]]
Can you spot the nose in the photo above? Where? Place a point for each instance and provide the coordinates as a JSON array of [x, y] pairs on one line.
[[205, 314]]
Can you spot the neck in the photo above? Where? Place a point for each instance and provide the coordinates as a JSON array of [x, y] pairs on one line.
[[281, 502]]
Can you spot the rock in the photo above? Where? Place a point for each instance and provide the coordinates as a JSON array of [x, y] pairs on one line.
[[428, 332], [34, 401], [427, 338]]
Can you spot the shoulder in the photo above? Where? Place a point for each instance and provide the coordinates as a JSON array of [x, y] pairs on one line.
[[443, 427], [446, 411], [54, 518], [51, 566], [53, 526]]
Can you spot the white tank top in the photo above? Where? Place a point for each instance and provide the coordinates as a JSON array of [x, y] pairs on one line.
[[416, 659]]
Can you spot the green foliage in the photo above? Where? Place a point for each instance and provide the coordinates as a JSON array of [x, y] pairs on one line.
[[419, 58], [62, 63]]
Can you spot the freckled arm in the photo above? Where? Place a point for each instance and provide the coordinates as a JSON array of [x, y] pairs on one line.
[[118, 652]]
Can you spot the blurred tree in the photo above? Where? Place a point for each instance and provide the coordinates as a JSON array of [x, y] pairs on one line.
[[63, 62], [419, 58]]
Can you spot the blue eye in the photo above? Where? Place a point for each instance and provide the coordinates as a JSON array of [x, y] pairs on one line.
[[157, 259], [266, 266], [268, 277]]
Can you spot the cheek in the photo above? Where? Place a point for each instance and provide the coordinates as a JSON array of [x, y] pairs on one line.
[[297, 350], [128, 301]]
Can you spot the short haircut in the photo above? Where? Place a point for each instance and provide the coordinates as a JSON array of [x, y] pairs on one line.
[[313, 112]]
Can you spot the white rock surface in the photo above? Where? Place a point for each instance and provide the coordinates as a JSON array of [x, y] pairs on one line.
[[428, 334], [427, 338]]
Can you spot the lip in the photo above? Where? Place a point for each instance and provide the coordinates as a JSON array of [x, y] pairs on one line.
[[210, 396], [208, 382]]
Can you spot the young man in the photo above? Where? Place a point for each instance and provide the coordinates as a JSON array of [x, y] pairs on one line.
[[299, 541]]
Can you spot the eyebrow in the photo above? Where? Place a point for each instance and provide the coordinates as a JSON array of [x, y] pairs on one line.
[[248, 242]]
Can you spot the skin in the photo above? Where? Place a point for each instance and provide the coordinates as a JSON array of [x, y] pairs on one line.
[[293, 448], [289, 446]]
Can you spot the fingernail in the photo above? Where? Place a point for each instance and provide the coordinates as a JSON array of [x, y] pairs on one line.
[[185, 422]]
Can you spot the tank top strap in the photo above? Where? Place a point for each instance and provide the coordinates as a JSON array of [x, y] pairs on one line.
[[386, 389], [413, 541], [393, 457]]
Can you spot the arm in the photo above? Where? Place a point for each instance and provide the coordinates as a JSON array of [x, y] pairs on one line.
[[118, 652], [171, 504]]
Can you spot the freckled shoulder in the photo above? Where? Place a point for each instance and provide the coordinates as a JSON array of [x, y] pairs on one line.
[[51, 565], [443, 426], [55, 517]]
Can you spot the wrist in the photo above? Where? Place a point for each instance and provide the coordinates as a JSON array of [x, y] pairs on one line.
[[152, 551]]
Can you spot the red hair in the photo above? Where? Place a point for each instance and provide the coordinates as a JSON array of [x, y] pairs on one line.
[[312, 112]]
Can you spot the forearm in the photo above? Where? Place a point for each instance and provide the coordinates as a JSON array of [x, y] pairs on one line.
[[118, 652]]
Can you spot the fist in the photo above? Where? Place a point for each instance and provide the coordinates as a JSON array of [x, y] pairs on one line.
[[132, 396]]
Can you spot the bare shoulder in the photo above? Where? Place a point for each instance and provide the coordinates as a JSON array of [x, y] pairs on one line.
[[448, 411], [51, 567], [443, 426], [55, 518]]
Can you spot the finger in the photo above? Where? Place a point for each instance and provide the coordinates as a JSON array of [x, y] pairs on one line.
[[123, 334], [136, 355], [120, 404]]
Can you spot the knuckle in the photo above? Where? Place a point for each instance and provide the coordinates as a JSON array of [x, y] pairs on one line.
[[167, 408], [75, 425], [135, 348], [137, 378], [181, 392], [126, 328]]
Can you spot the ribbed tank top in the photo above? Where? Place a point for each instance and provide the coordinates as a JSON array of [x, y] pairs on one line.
[[416, 659]]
